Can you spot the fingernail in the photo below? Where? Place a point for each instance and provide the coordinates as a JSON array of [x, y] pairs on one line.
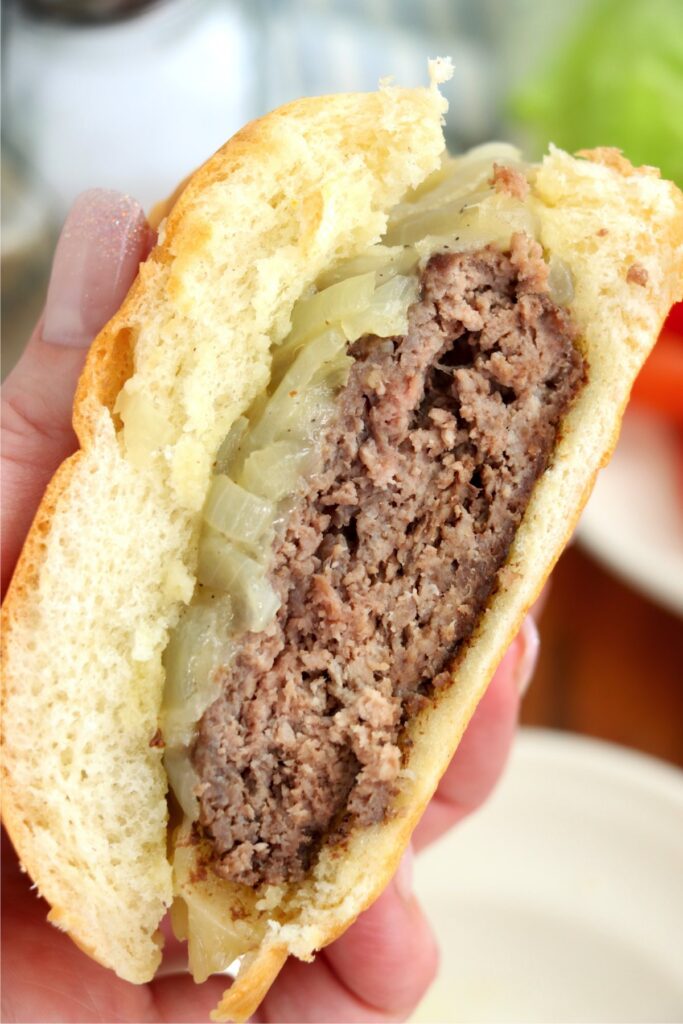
[[403, 879], [103, 240], [530, 644]]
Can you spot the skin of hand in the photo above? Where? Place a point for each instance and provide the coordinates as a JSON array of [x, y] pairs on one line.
[[382, 966]]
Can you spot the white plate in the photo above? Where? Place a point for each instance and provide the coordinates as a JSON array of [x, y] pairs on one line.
[[634, 519], [562, 899]]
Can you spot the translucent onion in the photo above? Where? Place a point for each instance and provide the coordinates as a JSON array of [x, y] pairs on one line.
[[212, 942], [560, 282], [216, 935], [275, 471], [284, 407], [258, 605], [452, 190], [314, 314], [460, 185], [220, 562], [387, 314], [486, 154], [234, 512], [492, 223], [230, 446], [441, 220], [333, 375], [183, 780], [197, 647], [384, 260], [309, 409], [224, 567], [318, 351], [284, 358]]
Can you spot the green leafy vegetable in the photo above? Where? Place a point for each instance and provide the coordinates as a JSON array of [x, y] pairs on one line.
[[618, 81]]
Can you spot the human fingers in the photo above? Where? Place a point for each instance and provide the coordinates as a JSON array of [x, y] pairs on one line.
[[377, 971], [47, 978], [177, 998], [104, 238], [483, 750]]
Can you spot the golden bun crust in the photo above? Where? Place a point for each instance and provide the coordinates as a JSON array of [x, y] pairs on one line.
[[257, 973], [111, 555]]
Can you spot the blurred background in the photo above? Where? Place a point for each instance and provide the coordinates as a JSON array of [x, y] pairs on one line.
[[133, 95]]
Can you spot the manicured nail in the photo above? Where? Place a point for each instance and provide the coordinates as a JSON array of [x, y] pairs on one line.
[[403, 879], [103, 240], [530, 644]]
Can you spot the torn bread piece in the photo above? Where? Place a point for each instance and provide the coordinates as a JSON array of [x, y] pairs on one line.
[[331, 446]]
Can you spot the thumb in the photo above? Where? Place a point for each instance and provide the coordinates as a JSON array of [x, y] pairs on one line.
[[97, 257]]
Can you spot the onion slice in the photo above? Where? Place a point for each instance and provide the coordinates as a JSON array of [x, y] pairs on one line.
[[234, 512], [328, 307], [275, 471], [283, 407], [204, 911], [183, 780], [222, 566], [197, 647], [230, 446], [387, 314], [384, 260]]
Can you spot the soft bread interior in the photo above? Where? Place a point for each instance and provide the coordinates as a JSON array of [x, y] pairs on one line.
[[110, 557]]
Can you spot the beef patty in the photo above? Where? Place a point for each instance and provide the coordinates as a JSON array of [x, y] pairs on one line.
[[386, 560]]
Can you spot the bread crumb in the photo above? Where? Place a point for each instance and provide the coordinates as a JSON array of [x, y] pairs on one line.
[[637, 274], [509, 181], [612, 157], [507, 576]]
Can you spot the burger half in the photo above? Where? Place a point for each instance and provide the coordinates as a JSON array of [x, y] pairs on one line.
[[331, 446]]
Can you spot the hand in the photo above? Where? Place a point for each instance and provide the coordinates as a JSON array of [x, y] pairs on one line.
[[381, 967]]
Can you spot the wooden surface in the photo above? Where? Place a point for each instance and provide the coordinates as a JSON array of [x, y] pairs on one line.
[[611, 662]]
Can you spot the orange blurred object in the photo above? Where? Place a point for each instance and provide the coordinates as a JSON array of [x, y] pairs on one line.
[[659, 385]]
